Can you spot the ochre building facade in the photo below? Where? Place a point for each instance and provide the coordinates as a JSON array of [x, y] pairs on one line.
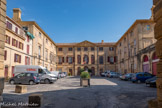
[[43, 47], [133, 48], [98, 57]]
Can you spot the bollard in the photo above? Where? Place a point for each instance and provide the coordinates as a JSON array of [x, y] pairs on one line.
[[35, 100], [20, 89]]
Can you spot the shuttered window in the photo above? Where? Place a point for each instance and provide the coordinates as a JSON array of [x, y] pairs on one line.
[[5, 55]]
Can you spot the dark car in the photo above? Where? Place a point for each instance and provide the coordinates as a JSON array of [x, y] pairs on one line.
[[151, 81], [141, 77], [25, 78]]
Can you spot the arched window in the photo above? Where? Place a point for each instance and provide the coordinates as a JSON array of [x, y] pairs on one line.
[[92, 59], [79, 59], [101, 59], [145, 58], [86, 68], [85, 59]]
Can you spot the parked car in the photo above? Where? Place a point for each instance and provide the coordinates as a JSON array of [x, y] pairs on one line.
[[103, 74], [121, 77], [44, 75], [113, 74], [151, 81], [25, 78], [141, 77], [56, 73], [61, 75], [65, 73], [127, 76]]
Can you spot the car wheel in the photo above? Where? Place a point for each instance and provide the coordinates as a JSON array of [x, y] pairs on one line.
[[46, 81], [133, 81], [12, 82], [138, 81], [31, 82]]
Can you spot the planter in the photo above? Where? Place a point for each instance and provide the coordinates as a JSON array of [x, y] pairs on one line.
[[1, 88], [84, 82]]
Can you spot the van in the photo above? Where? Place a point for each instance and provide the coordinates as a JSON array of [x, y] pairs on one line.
[[44, 75]]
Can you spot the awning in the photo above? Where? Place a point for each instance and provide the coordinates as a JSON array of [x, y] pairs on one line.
[[30, 35]]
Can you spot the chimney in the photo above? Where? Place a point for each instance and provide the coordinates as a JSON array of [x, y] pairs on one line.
[[16, 14], [152, 12], [102, 41]]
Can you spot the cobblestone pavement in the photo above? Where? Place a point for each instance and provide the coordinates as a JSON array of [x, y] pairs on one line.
[[103, 93]]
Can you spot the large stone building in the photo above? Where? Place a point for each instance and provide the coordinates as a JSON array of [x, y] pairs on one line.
[[44, 48], [98, 57], [129, 47], [128, 55], [18, 47]]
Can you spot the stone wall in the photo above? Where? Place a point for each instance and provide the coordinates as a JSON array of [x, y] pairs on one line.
[[2, 44], [2, 34], [158, 35]]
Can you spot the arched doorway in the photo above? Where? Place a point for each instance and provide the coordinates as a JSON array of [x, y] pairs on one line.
[[155, 60], [93, 71], [86, 68], [145, 64]]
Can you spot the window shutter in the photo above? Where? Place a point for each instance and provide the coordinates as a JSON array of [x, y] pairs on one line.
[[19, 44], [16, 43], [8, 40], [67, 59], [27, 49], [27, 38], [25, 60], [29, 61], [73, 59], [19, 59], [63, 59], [5, 55], [22, 46], [84, 59], [108, 59], [115, 59], [12, 42], [15, 58]]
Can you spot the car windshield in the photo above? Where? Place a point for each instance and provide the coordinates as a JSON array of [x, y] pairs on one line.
[[46, 70]]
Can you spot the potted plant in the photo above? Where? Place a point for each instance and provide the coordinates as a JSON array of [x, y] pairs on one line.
[[85, 79], [1, 88]]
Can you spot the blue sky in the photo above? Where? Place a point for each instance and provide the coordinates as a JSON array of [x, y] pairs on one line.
[[68, 21]]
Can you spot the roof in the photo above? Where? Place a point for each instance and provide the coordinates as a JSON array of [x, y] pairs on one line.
[[83, 44], [13, 21], [34, 23]]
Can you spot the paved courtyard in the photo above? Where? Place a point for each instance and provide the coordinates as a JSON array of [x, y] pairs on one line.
[[103, 93]]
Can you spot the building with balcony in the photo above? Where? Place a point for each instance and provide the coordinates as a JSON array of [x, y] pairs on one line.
[[44, 48], [18, 47]]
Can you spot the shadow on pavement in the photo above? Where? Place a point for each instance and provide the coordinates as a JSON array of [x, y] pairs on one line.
[[95, 96]]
